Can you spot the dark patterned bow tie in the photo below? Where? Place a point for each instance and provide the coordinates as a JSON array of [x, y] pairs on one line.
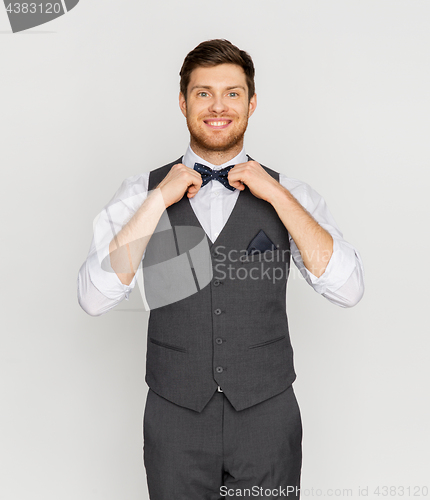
[[208, 175]]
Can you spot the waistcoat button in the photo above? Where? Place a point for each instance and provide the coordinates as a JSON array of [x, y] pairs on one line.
[[219, 369], [217, 282], [218, 340], [217, 312]]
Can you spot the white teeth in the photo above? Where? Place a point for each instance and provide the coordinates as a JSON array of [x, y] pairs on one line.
[[217, 124]]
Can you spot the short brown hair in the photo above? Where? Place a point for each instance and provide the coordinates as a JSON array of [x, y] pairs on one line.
[[212, 53]]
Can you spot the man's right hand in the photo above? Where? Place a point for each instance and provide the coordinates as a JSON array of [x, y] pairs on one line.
[[178, 181]]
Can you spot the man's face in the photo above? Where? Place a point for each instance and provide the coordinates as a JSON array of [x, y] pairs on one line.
[[217, 107]]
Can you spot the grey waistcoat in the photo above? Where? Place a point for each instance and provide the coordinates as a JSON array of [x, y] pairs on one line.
[[232, 333]]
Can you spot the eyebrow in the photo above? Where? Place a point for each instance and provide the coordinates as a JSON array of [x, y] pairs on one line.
[[209, 87]]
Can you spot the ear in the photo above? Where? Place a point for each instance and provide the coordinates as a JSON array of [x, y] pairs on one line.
[[252, 104], [183, 104]]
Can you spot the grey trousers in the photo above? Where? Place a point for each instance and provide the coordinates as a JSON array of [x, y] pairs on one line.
[[222, 453]]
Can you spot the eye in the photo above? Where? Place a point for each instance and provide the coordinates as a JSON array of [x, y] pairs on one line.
[[233, 94], [203, 94]]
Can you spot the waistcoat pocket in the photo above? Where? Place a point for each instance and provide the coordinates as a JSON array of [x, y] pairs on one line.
[[267, 342], [167, 346]]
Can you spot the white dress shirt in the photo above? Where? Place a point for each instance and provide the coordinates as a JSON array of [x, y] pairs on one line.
[[99, 288]]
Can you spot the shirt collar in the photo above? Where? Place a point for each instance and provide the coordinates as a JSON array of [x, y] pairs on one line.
[[190, 158]]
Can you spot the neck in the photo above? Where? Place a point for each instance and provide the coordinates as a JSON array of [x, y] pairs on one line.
[[217, 157]]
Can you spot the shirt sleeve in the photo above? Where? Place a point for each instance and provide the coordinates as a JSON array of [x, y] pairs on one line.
[[99, 288], [342, 282]]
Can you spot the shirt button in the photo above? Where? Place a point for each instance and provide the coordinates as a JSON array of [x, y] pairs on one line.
[[217, 312], [219, 369], [217, 283], [218, 340]]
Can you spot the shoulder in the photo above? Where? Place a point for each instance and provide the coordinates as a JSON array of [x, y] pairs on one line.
[[273, 173], [135, 184], [131, 192], [302, 191], [305, 194], [139, 183]]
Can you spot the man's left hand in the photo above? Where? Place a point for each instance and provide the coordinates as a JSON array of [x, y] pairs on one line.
[[252, 174]]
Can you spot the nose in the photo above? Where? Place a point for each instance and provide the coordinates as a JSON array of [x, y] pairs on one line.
[[218, 105]]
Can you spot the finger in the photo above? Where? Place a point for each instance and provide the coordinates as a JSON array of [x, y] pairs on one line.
[[235, 177], [237, 184], [193, 189], [197, 183], [196, 178], [195, 186]]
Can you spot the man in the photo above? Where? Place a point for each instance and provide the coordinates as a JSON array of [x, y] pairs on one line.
[[221, 417]]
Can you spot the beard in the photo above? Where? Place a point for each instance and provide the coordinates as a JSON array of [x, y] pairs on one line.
[[217, 142]]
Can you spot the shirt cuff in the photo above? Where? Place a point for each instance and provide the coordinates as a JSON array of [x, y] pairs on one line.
[[339, 268], [106, 280]]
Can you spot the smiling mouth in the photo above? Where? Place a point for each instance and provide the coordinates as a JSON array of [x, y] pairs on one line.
[[217, 124]]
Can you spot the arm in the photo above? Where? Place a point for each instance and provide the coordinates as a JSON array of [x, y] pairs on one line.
[[314, 243], [126, 249], [99, 288], [328, 263], [120, 235], [122, 231], [342, 283], [128, 246]]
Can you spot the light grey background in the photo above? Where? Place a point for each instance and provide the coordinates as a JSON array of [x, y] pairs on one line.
[[90, 99]]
